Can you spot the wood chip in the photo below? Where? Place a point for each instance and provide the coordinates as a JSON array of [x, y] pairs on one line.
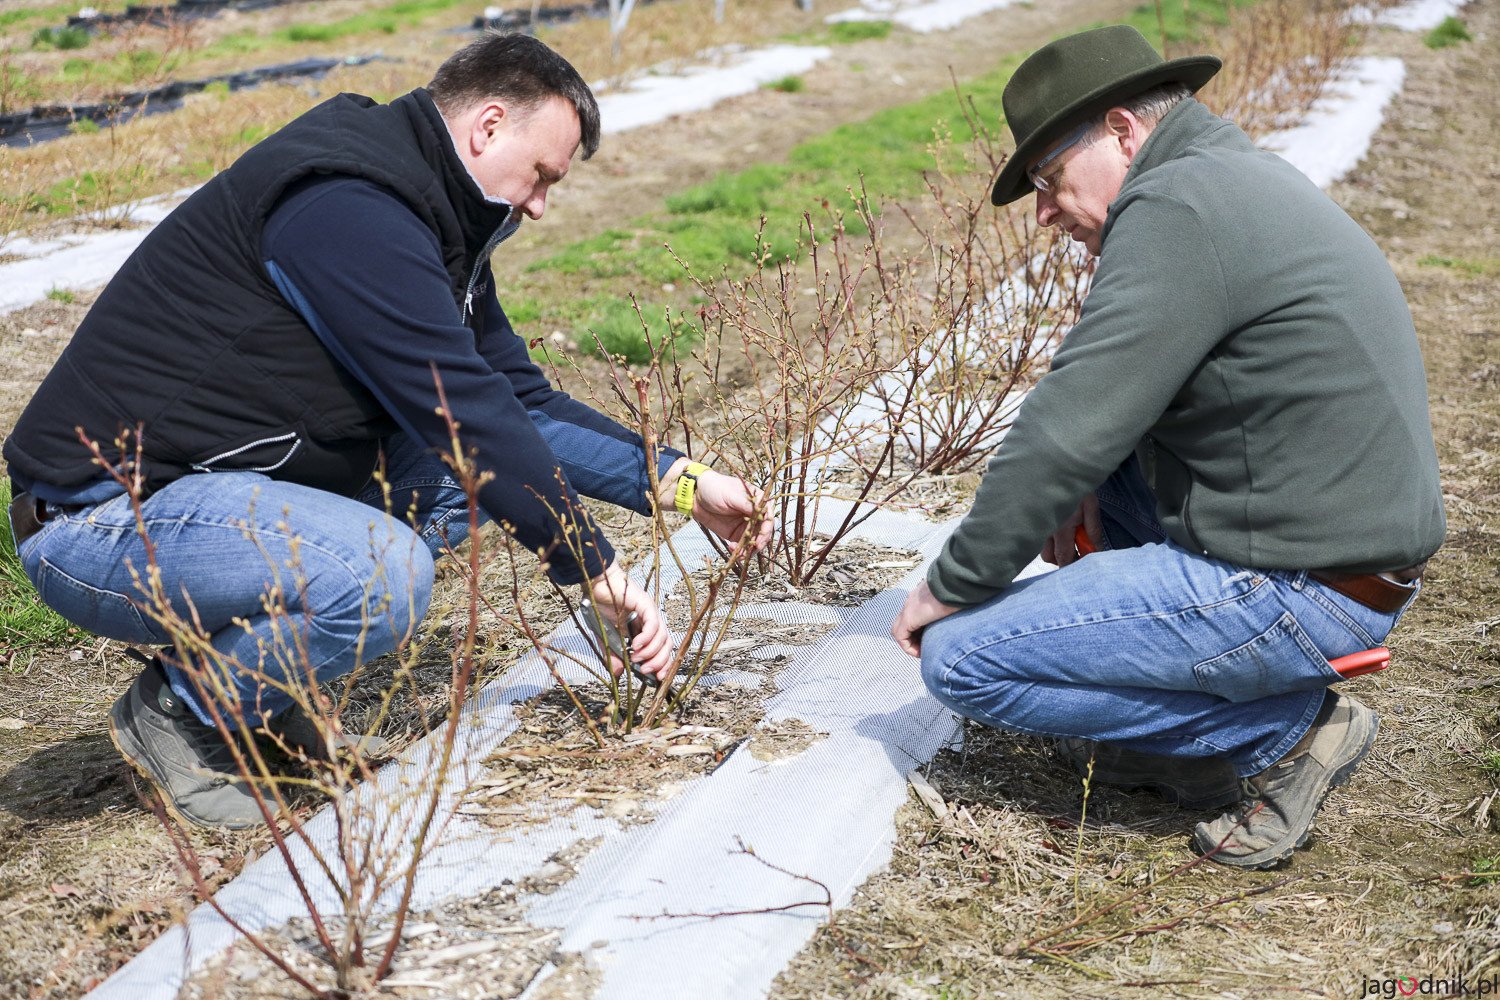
[[457, 953], [929, 795], [690, 750]]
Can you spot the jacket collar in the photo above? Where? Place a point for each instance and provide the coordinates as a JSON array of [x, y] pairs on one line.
[[1183, 126], [479, 216], [1186, 125]]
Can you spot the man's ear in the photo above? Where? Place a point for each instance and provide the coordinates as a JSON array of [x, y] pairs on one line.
[[1126, 129], [487, 121]]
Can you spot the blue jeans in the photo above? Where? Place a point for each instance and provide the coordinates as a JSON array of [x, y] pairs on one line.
[[353, 580], [1152, 647]]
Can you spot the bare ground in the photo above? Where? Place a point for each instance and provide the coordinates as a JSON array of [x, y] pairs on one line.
[[1381, 892]]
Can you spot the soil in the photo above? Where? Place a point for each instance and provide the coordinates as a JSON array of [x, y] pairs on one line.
[[86, 874]]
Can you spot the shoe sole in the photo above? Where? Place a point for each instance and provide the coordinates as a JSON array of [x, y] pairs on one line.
[[134, 757], [1274, 855]]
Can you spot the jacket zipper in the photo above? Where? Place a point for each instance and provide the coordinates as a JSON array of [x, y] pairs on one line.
[[506, 231]]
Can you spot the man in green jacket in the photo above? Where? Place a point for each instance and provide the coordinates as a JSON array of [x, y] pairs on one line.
[[1238, 421]]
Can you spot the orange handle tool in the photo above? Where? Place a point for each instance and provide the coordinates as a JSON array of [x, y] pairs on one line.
[[1081, 541], [1358, 664]]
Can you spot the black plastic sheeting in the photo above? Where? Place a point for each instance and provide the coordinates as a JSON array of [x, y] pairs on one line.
[[164, 14], [519, 18], [52, 121]]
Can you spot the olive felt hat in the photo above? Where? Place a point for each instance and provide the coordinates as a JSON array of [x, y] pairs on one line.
[[1064, 82]]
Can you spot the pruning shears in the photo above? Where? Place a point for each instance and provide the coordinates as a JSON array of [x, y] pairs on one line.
[[611, 641]]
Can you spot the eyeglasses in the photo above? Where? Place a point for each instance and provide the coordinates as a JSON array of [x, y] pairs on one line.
[[1045, 184]]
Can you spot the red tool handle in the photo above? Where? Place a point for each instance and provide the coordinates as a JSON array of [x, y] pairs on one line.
[[1081, 541], [1358, 664]]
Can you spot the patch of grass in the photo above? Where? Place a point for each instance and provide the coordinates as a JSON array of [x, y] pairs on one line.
[[84, 126], [1486, 866], [60, 295], [713, 225], [92, 189], [25, 622], [1450, 32], [788, 85], [60, 38], [615, 327], [522, 310], [388, 20], [845, 32], [1477, 268]]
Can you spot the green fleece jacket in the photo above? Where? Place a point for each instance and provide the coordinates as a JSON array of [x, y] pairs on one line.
[[1250, 341]]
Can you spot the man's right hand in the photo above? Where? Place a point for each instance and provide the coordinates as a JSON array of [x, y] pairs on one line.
[[1060, 549], [615, 594]]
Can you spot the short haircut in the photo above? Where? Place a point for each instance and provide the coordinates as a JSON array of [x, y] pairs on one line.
[[1150, 107], [519, 70]]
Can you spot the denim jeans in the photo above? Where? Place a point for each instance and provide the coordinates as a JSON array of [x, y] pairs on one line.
[[353, 580], [1152, 647]]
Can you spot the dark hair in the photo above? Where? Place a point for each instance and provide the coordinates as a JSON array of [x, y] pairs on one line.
[[518, 69]]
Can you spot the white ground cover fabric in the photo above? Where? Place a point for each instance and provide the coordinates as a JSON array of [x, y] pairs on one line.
[[827, 812], [654, 98]]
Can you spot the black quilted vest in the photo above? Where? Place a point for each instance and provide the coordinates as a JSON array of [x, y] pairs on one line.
[[192, 342]]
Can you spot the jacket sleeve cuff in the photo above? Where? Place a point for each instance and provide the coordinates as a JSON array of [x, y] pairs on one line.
[[955, 592]]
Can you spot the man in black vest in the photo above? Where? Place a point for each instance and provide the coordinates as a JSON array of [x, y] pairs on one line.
[[279, 337]]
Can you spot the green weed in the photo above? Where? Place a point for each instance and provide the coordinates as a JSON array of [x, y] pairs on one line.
[[1489, 763], [1450, 32], [788, 85], [1487, 871], [59, 38], [1466, 265], [84, 126], [60, 295], [25, 622]]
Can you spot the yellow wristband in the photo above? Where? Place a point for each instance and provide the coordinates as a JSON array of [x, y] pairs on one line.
[[687, 487]]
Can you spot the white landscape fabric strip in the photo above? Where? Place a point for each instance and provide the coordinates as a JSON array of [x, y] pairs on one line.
[[651, 99], [1420, 15], [79, 261], [940, 15], [1337, 132]]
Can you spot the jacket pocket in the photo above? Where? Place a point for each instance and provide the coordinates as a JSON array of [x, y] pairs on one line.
[[1280, 660], [262, 453]]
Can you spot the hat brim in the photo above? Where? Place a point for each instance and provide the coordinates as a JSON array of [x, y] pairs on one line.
[[1192, 71]]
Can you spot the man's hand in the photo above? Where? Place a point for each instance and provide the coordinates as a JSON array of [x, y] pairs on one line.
[[615, 594], [722, 504], [1060, 549], [920, 610]]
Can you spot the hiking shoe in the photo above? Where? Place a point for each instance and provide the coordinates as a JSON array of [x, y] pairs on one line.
[[188, 761], [301, 735], [1280, 802], [1190, 782]]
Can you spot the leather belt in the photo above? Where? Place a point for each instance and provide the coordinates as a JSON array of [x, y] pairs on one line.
[[1376, 591], [29, 514]]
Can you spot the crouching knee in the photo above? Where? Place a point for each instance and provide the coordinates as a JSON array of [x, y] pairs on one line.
[[398, 594]]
